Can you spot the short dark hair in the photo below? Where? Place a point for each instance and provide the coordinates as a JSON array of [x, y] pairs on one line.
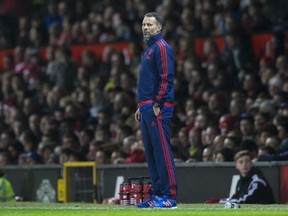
[[158, 18], [241, 154]]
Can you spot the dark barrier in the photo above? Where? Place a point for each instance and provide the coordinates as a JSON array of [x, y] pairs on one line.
[[35, 183], [196, 182]]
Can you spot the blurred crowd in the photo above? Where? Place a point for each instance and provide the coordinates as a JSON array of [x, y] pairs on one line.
[[54, 109]]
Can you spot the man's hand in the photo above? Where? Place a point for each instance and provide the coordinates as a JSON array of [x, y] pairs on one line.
[[137, 115], [156, 109]]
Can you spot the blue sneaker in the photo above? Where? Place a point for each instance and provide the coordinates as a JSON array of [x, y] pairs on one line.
[[165, 203], [148, 203]]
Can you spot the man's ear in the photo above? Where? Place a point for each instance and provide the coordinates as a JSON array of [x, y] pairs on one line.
[[159, 28]]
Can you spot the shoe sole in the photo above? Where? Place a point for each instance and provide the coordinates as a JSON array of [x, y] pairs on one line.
[[175, 207]]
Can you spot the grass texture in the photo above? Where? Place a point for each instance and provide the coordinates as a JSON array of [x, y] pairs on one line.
[[81, 209]]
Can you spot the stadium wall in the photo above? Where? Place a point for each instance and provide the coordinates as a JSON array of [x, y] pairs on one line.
[[196, 182]]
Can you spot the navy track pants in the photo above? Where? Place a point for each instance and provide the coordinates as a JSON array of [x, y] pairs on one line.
[[156, 138]]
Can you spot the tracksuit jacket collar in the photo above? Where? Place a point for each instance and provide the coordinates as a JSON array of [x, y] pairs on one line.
[[154, 39]]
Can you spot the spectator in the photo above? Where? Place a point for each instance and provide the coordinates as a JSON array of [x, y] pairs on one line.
[[137, 154], [64, 155], [223, 155], [64, 73], [76, 157], [34, 125], [30, 106], [189, 24], [23, 32], [117, 157], [127, 143], [206, 23], [251, 85], [252, 187], [89, 61], [195, 147], [247, 126], [51, 16], [29, 141], [5, 158], [283, 136], [226, 123], [216, 75], [7, 139], [281, 65], [8, 63], [85, 138], [266, 132], [60, 87], [232, 142], [218, 142], [274, 143], [251, 147], [46, 151], [275, 85], [30, 159], [253, 19], [179, 150], [236, 108], [101, 157], [216, 104], [103, 134], [65, 37], [70, 141], [208, 135], [207, 154]]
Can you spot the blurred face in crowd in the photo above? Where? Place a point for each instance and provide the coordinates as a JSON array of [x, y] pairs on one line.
[[5, 140], [236, 107], [219, 157], [218, 142], [200, 121], [207, 155], [64, 157], [194, 138], [150, 27], [45, 124], [84, 138], [34, 122], [244, 165], [260, 122], [209, 135], [273, 142], [100, 157], [246, 127], [4, 159], [228, 143], [214, 102], [282, 133], [285, 87]]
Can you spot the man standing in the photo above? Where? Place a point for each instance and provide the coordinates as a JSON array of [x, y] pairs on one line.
[[155, 109]]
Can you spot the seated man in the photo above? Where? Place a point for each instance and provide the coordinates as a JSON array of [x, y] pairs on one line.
[[252, 187]]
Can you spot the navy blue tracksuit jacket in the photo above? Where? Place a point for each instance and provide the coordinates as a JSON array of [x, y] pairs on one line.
[[156, 85]]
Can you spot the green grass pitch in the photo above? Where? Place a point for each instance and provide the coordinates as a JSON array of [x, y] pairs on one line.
[[83, 209]]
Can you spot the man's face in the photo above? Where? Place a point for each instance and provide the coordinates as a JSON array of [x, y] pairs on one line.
[[246, 127], [150, 27], [244, 165]]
